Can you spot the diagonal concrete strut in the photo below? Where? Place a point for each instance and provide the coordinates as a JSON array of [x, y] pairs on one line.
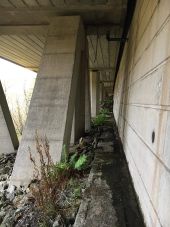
[[8, 137]]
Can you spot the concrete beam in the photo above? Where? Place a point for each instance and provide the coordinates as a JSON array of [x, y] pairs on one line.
[[103, 69], [53, 100], [42, 29], [18, 16], [24, 29], [102, 29], [65, 8]]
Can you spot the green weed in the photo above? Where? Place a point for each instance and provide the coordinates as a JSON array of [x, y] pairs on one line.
[[99, 120], [54, 180]]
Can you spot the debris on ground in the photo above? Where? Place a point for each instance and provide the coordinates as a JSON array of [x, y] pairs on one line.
[[18, 206]]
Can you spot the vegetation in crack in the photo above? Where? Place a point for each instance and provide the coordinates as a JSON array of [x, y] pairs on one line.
[[59, 186], [99, 120], [54, 195]]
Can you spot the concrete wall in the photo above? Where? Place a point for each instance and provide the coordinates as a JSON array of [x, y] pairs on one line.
[[142, 108]]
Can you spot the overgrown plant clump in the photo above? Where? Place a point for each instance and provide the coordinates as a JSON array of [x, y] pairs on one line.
[[99, 120], [59, 186], [104, 111], [108, 104]]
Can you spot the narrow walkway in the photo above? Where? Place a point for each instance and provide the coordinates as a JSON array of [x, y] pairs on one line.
[[109, 199]]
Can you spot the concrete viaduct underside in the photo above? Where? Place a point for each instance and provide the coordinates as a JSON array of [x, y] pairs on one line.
[[84, 50], [63, 41]]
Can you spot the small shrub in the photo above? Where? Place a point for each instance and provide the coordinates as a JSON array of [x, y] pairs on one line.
[[54, 181], [104, 111], [78, 162], [108, 104], [99, 120], [81, 162]]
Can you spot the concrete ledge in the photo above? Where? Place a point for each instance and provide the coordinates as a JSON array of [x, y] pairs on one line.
[[109, 199], [96, 208]]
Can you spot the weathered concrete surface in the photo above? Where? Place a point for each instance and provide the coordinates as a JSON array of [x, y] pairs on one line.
[[78, 125], [94, 92], [54, 95], [109, 200], [8, 137], [82, 111], [141, 108], [101, 95], [87, 92]]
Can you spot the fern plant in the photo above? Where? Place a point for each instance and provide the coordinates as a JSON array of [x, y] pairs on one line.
[[99, 120], [78, 162], [104, 111], [81, 162]]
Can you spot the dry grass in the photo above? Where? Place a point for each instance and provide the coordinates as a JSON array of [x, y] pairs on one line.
[[53, 181]]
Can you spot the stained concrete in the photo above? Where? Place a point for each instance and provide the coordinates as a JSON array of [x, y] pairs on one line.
[[53, 100], [109, 200], [8, 137]]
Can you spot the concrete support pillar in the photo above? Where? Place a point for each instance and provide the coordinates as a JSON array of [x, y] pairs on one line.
[[94, 90], [104, 93], [82, 114], [8, 137], [53, 100], [101, 91], [78, 125], [87, 94]]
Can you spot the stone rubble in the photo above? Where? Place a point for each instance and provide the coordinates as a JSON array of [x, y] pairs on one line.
[[14, 202], [17, 205]]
